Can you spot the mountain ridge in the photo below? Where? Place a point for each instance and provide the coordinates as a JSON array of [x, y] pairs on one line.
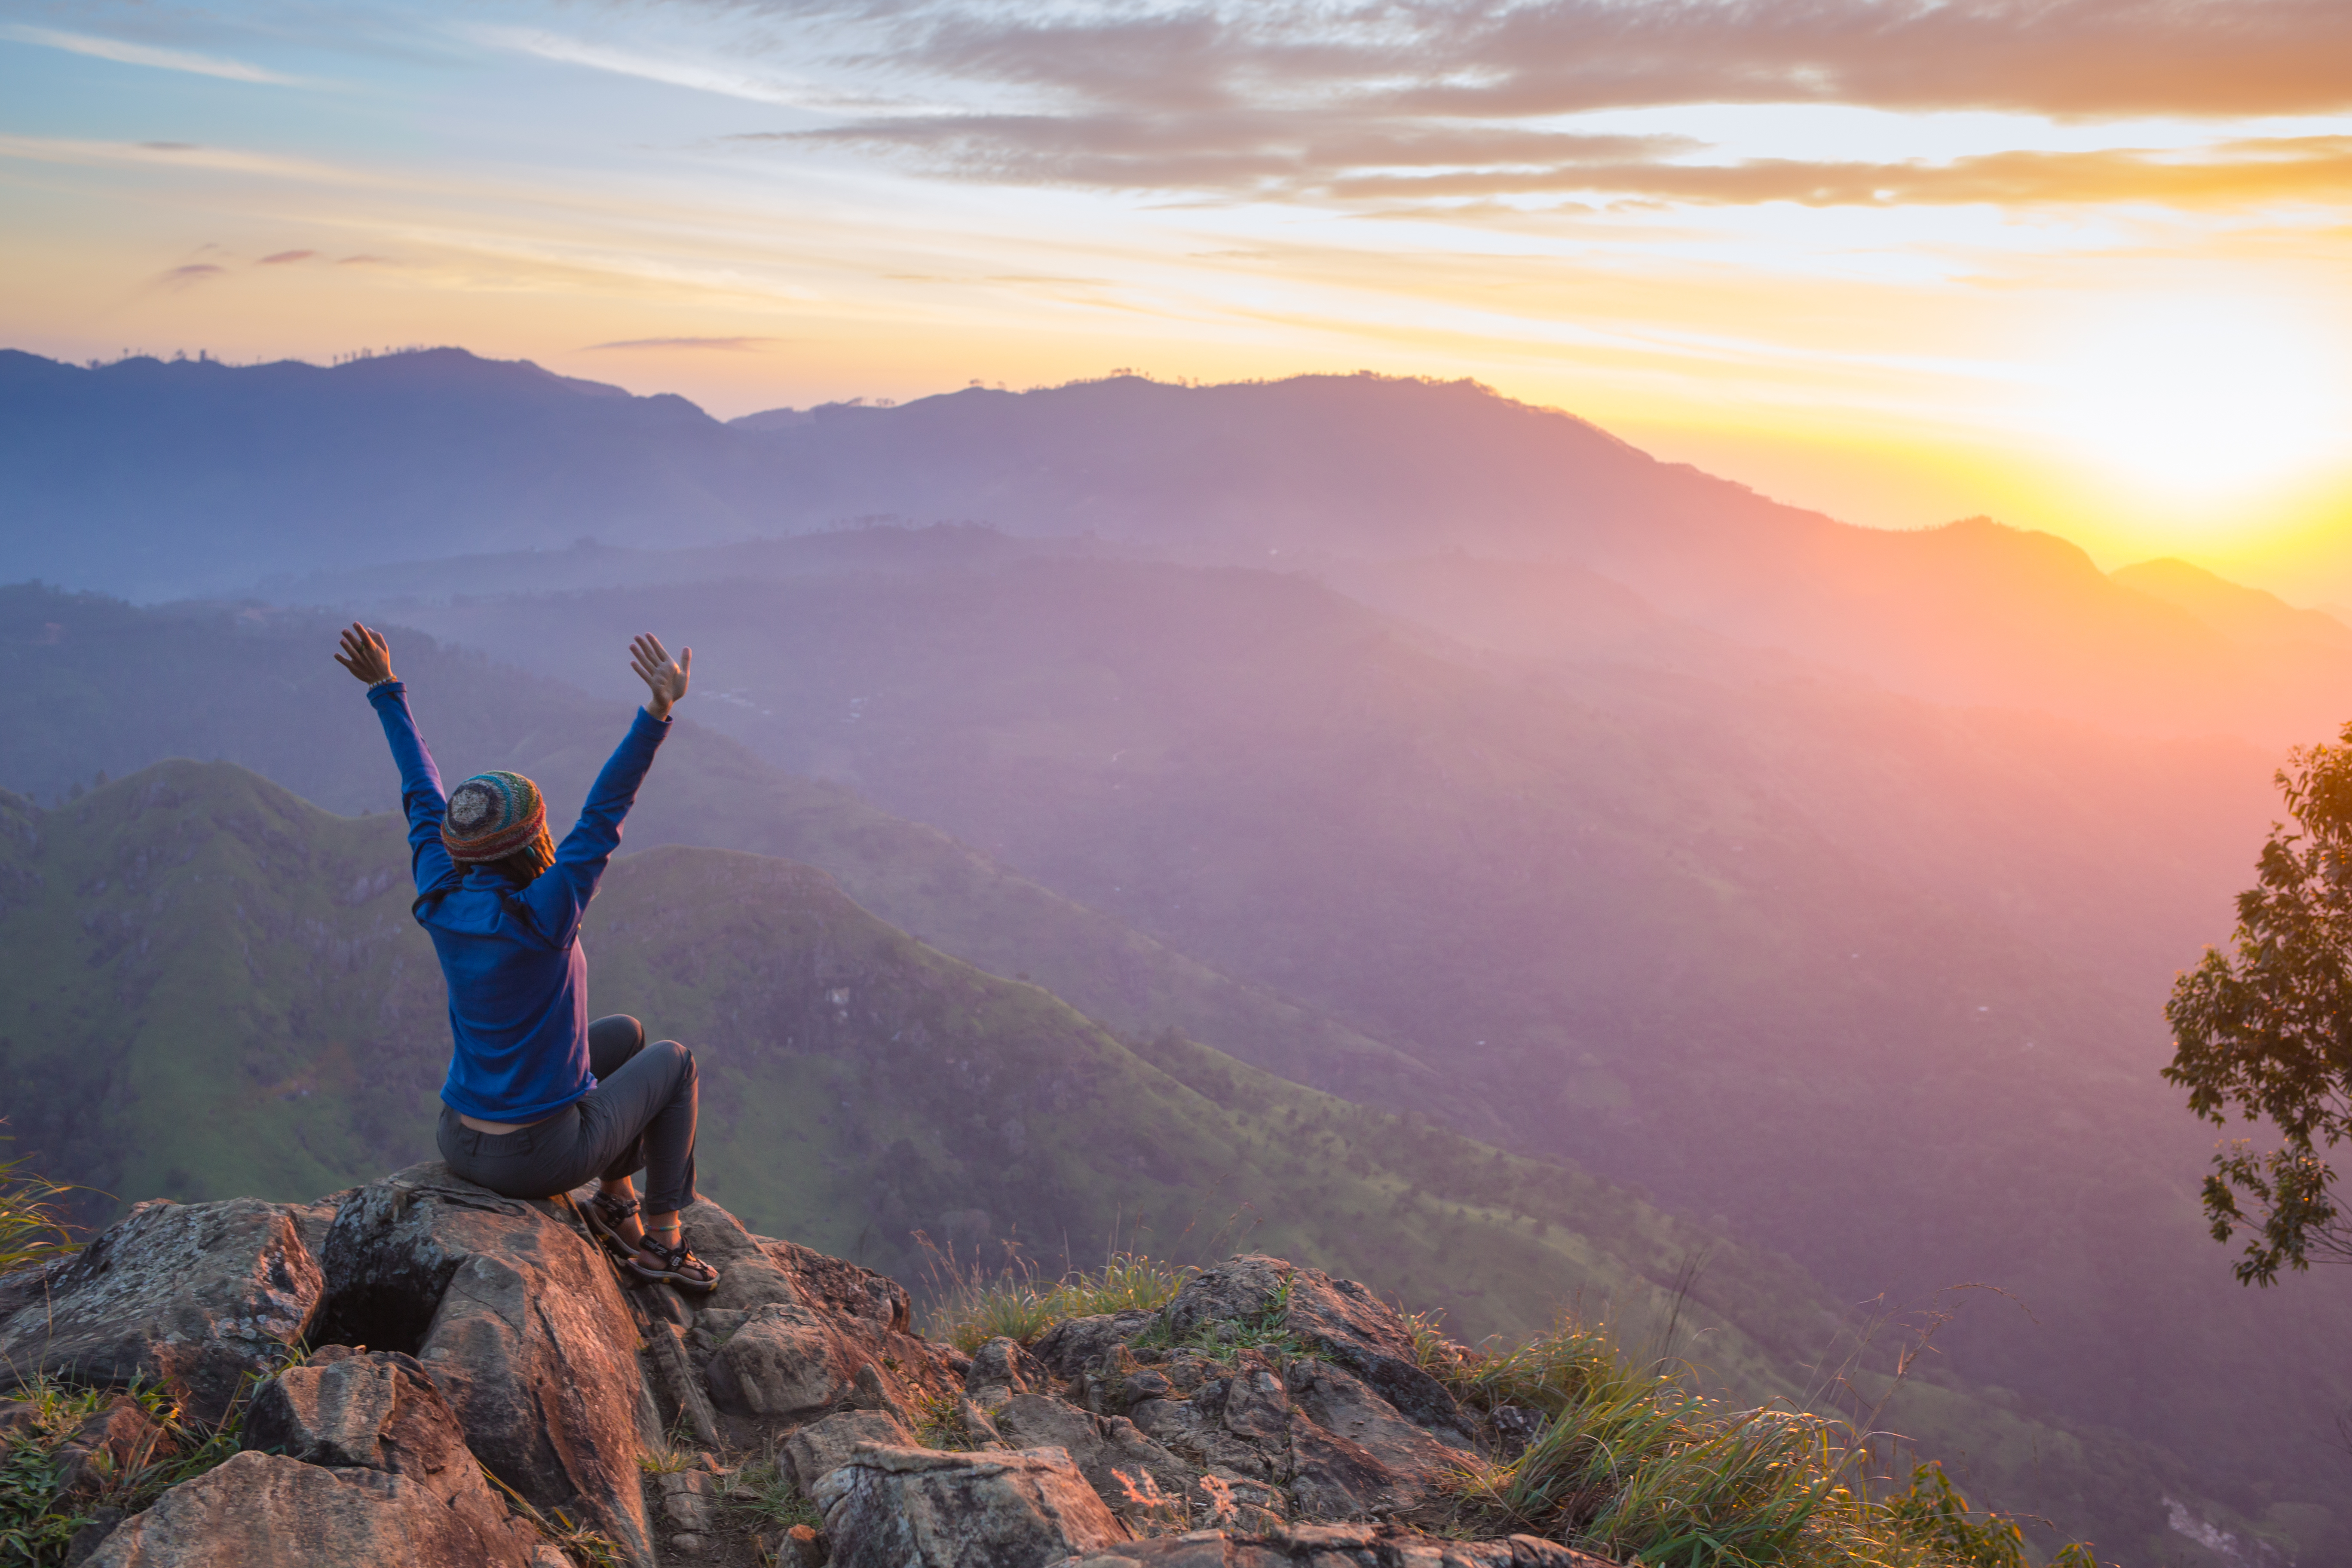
[[163, 480]]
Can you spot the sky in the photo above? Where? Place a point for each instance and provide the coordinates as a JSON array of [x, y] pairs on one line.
[[2079, 264]]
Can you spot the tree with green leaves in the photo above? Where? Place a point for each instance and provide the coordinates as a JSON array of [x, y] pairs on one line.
[[2265, 1030]]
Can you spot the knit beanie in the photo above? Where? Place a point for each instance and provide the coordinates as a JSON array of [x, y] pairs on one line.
[[492, 815]]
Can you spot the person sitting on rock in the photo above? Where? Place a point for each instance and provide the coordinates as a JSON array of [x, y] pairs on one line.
[[538, 1099]]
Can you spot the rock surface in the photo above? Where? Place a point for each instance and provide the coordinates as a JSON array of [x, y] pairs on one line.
[[192, 1296], [263, 1510], [917, 1507], [1332, 1546], [1268, 1415], [378, 1412], [1338, 1318], [818, 1449], [516, 1319]]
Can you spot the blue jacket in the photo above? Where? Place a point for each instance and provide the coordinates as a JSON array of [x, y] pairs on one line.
[[517, 980]]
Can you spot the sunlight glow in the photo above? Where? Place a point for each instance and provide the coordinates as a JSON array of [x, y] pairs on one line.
[[2201, 395]]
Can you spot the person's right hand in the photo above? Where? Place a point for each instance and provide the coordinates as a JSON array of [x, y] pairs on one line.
[[365, 655], [665, 677]]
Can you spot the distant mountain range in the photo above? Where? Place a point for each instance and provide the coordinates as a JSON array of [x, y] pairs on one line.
[[160, 481]]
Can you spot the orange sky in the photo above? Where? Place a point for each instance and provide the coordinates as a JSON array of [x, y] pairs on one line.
[[2080, 265]]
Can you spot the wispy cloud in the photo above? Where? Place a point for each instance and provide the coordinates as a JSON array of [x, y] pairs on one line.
[[733, 345], [1291, 98], [670, 69], [177, 154], [285, 256], [129, 54], [2065, 58], [188, 276]]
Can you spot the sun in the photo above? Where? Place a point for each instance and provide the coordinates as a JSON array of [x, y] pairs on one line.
[[2196, 399]]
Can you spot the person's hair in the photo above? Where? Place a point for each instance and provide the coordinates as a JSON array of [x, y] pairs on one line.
[[521, 867], [525, 864]]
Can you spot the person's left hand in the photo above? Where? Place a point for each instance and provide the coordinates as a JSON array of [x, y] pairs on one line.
[[664, 675], [366, 656]]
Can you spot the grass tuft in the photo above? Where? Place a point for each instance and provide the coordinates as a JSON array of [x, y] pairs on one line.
[[33, 1231], [1632, 1465], [778, 1504], [39, 1521], [971, 1305]]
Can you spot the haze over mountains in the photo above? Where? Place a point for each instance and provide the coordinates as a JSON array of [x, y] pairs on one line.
[[1437, 753], [157, 481]]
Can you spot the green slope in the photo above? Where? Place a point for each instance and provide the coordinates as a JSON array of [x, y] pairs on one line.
[[208, 986], [91, 684]]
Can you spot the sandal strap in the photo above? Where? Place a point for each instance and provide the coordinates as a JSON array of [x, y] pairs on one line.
[[618, 1208], [674, 1258]]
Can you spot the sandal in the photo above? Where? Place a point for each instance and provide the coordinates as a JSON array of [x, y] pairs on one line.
[[679, 1267], [607, 1216]]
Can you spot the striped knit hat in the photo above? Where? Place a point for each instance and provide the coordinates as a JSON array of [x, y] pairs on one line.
[[492, 815]]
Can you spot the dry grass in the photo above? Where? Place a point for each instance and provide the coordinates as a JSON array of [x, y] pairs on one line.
[[972, 1305]]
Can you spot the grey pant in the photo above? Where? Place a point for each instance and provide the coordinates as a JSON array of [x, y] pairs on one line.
[[639, 1117]]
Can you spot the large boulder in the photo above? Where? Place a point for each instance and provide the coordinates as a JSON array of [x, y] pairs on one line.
[[192, 1296], [783, 1363], [516, 1318], [378, 1412], [914, 1508], [264, 1511]]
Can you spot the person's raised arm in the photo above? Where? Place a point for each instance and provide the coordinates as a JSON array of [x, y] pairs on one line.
[[368, 660], [559, 895]]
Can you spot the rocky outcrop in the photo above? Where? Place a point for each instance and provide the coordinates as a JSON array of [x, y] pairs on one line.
[[191, 1296], [484, 1369], [1336, 1318], [516, 1318], [896, 1507]]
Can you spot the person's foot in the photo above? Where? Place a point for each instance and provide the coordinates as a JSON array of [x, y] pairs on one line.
[[671, 1265], [614, 1220]]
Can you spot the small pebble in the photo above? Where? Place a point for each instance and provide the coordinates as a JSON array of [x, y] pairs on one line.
[[688, 1543]]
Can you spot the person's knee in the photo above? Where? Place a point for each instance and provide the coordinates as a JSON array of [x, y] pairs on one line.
[[677, 1056], [612, 1041]]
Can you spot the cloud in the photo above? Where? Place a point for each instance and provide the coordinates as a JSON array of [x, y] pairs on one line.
[[1302, 156], [1272, 153], [188, 276], [2060, 57], [175, 155], [129, 54], [2236, 174], [733, 345], [1467, 99], [284, 256]]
